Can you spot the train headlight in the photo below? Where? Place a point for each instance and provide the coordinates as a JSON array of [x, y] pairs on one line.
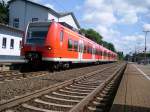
[[48, 48]]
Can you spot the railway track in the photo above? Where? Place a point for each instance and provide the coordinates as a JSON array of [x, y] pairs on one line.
[[16, 74], [73, 95]]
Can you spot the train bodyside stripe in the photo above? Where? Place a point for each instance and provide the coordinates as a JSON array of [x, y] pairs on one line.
[[72, 60]]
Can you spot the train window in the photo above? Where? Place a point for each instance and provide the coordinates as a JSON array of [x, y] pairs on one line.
[[93, 50], [88, 49], [97, 52], [101, 53], [61, 35], [104, 53], [4, 42], [70, 44], [76, 45], [37, 32], [11, 43]]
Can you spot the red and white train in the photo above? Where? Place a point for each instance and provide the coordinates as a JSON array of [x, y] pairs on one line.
[[57, 45]]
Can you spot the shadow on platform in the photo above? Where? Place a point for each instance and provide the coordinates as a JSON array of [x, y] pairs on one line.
[[128, 108]]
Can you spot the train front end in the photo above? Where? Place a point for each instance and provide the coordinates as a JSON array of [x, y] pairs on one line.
[[34, 45]]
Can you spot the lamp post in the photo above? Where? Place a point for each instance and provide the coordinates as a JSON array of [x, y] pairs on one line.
[[145, 46]]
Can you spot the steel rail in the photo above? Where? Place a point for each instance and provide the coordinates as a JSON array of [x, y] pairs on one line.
[[15, 101], [84, 102]]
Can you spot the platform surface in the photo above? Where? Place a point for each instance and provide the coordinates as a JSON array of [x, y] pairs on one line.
[[133, 94]]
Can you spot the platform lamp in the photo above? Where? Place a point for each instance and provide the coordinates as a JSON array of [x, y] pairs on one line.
[[145, 46]]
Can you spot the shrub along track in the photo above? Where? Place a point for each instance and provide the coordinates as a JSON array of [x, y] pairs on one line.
[[73, 95]]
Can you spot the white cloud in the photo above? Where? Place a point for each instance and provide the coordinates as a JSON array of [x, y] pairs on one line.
[[101, 18], [50, 6], [37, 1], [127, 10], [77, 7], [107, 33], [130, 18], [96, 11], [130, 43], [146, 27], [105, 14], [5, 0]]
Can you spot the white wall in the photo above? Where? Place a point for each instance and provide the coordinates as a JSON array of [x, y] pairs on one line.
[[34, 11], [25, 11], [68, 19], [50, 17], [17, 10], [7, 51]]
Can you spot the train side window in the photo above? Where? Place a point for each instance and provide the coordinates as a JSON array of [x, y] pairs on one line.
[[70, 44], [61, 35], [76, 45], [91, 50], [101, 53], [97, 52], [4, 41], [104, 53], [94, 51]]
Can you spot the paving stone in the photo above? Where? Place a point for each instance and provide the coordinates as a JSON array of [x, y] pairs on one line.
[[133, 94]]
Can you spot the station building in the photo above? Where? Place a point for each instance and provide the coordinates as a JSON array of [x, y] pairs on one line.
[[10, 43], [21, 12]]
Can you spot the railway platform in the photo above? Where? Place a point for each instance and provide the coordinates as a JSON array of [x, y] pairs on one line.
[[133, 94]]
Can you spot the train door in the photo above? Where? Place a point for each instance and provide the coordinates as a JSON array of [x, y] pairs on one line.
[[81, 48], [102, 55], [93, 53]]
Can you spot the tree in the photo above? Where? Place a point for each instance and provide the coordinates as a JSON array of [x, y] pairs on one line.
[[109, 46], [93, 35], [96, 37], [120, 55], [4, 12]]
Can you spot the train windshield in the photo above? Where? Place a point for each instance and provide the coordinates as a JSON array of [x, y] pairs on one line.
[[37, 32]]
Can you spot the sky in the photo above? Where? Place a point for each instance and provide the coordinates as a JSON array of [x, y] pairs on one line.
[[121, 22]]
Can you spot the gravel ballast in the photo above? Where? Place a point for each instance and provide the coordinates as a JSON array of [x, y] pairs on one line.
[[13, 88]]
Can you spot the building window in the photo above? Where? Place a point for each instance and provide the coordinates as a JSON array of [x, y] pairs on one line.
[[4, 43], [20, 44], [61, 36], [12, 44], [34, 19], [16, 23]]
